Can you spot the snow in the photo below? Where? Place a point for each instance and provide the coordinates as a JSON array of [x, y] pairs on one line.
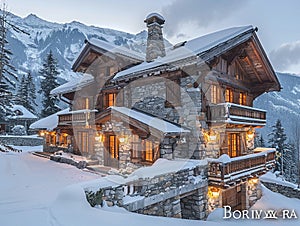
[[73, 85], [151, 121], [25, 113], [116, 49], [191, 48], [37, 191], [164, 166], [272, 178], [257, 152], [129, 199], [48, 123], [156, 15]]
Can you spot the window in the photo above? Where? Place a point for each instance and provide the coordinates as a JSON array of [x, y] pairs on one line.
[[234, 144], [135, 154], [148, 151], [151, 151], [173, 96], [215, 94], [111, 98], [113, 149], [87, 103], [229, 95], [242, 98]]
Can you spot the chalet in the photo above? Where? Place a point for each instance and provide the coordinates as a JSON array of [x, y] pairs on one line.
[[21, 116], [191, 100]]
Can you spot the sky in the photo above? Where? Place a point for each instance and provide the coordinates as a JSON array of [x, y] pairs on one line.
[[277, 20]]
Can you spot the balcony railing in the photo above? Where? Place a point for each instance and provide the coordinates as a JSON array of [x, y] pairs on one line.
[[236, 114], [226, 170], [79, 116]]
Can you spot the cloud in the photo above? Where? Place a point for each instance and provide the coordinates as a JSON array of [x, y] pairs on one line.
[[287, 56], [202, 13]]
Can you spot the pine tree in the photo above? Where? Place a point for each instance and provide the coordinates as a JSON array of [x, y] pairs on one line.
[[31, 92], [49, 73], [290, 171], [277, 140], [7, 70], [26, 93], [259, 141]]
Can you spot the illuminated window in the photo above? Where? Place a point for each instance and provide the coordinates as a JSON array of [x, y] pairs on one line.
[[151, 151], [215, 93], [111, 98], [229, 95], [242, 98], [113, 150], [87, 103], [234, 144]]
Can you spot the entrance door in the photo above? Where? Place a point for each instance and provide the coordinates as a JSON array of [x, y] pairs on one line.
[[111, 157], [235, 197], [234, 144]]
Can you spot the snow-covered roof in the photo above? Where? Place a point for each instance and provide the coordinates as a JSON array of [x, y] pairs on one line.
[[164, 166], [116, 49], [154, 122], [48, 123], [73, 85], [155, 14], [25, 113], [195, 47]]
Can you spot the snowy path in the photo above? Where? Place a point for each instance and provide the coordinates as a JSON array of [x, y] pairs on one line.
[[39, 192], [30, 184]]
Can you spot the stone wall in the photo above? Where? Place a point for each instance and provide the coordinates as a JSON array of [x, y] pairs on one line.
[[21, 141], [181, 194], [284, 190]]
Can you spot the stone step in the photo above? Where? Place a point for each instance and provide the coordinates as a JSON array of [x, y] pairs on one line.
[[42, 154]]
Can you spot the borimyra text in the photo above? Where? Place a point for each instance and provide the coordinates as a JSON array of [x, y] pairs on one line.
[[258, 214]]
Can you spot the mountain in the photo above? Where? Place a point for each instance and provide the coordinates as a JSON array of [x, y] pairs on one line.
[[283, 105], [64, 40]]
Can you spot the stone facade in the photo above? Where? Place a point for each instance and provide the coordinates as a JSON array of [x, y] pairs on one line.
[[182, 194]]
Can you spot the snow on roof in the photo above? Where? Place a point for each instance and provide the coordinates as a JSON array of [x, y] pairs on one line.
[[164, 166], [73, 85], [116, 49], [25, 113], [48, 123], [155, 14], [190, 48], [154, 122]]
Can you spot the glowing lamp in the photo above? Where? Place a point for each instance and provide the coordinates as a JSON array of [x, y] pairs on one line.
[[99, 137]]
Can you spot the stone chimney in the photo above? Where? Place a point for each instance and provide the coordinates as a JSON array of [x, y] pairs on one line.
[[155, 41]]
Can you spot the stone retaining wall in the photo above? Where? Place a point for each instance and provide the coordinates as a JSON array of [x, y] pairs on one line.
[[181, 194], [21, 141], [284, 190]]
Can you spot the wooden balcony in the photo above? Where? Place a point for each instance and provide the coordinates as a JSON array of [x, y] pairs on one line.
[[236, 114], [226, 171], [77, 117]]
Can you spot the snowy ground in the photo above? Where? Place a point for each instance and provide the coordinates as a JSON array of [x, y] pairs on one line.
[[37, 191]]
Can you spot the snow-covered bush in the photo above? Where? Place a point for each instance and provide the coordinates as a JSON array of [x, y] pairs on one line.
[[19, 130], [94, 198]]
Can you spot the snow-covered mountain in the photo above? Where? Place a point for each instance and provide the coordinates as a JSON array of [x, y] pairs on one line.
[[65, 41], [283, 105]]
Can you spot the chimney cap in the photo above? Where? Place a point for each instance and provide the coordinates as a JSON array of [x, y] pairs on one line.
[[154, 17]]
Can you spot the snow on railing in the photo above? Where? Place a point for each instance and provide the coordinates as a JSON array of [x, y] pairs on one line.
[[227, 169]]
